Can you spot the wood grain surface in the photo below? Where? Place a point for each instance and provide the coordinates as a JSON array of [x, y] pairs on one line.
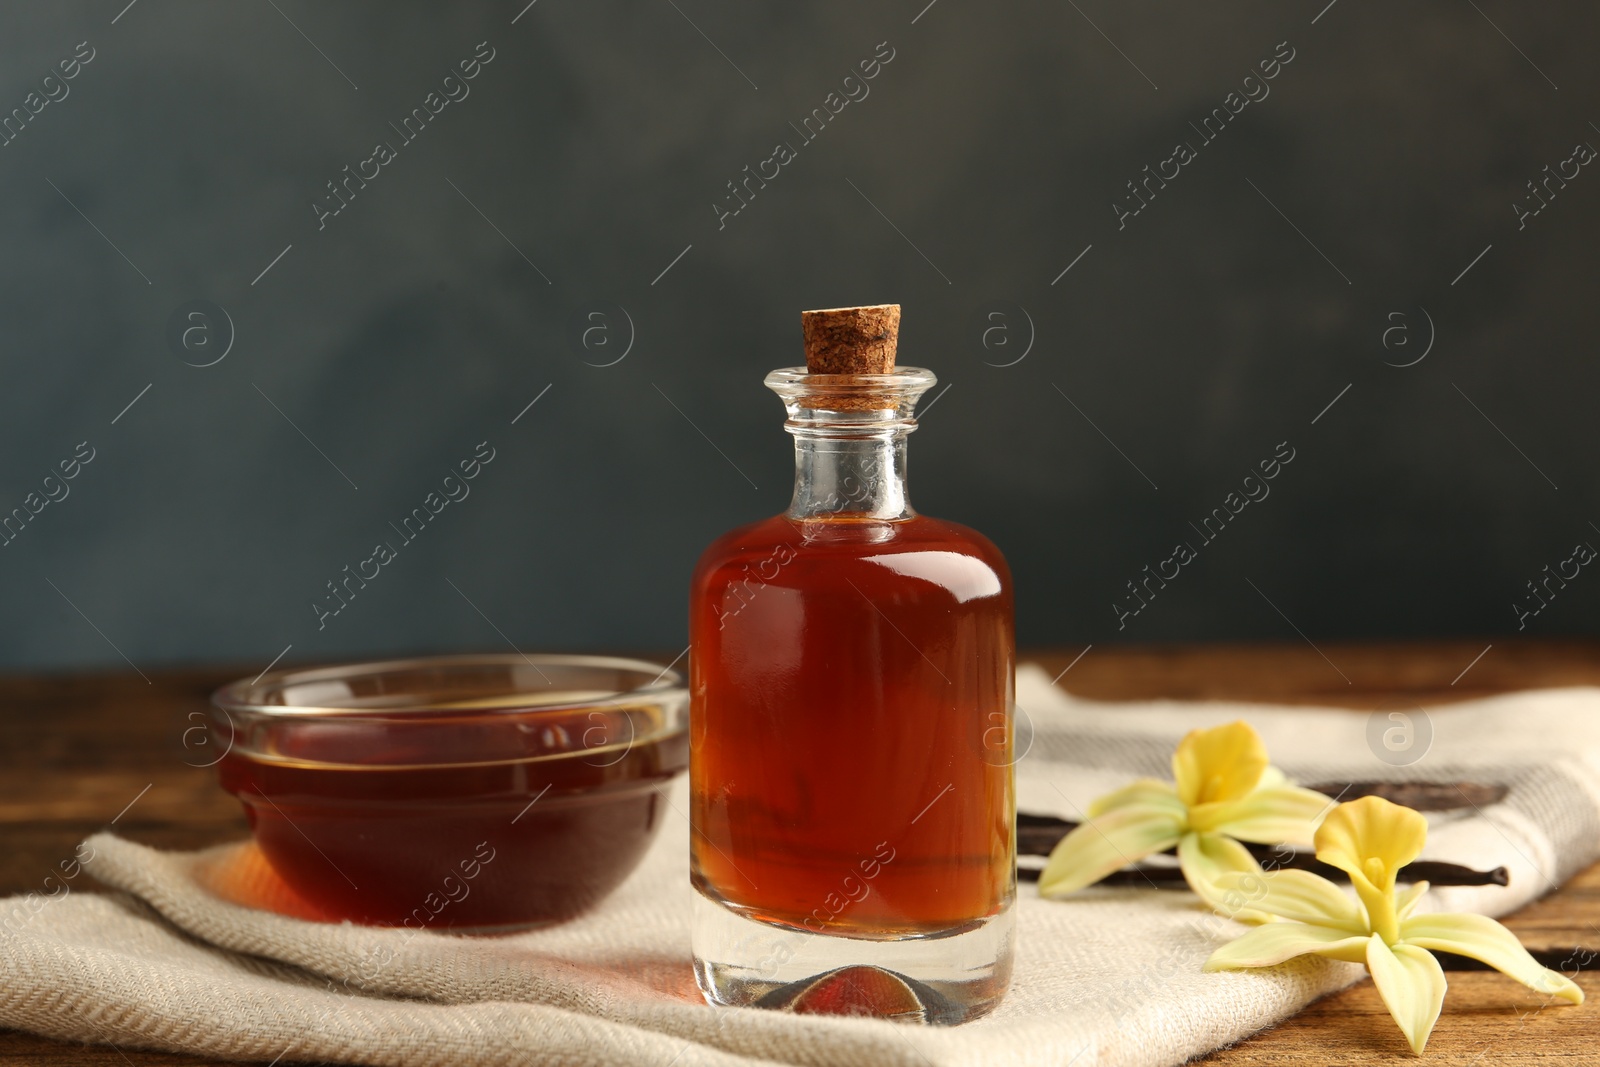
[[80, 753]]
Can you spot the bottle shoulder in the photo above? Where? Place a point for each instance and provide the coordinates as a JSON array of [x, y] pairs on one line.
[[971, 542], [921, 544], [744, 540]]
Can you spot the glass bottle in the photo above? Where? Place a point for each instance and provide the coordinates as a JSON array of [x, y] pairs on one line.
[[851, 679]]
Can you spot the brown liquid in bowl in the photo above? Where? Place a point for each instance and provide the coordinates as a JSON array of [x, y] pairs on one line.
[[360, 826]]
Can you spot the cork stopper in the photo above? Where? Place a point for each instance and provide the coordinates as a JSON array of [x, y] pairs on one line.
[[858, 340]]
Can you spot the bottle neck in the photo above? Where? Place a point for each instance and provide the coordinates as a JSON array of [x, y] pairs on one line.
[[850, 435], [858, 478]]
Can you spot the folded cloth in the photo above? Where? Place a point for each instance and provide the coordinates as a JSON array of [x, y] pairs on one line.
[[208, 952]]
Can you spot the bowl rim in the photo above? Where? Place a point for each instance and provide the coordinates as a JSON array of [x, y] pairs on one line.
[[232, 697]]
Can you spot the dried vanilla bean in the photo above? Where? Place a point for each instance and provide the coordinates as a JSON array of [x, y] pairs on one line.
[[1037, 836]]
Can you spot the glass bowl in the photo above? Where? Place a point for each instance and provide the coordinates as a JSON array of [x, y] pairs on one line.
[[475, 793]]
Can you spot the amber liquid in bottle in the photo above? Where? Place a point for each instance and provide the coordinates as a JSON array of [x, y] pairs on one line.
[[841, 777], [851, 685]]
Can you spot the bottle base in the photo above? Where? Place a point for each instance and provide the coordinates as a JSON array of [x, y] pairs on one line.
[[939, 980]]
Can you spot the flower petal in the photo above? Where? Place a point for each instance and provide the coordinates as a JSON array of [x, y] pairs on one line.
[[1406, 901], [1371, 838], [1272, 944], [1299, 896], [1208, 858], [1272, 776], [1270, 816], [1220, 763], [1101, 845], [1481, 938], [1144, 791], [1412, 986]]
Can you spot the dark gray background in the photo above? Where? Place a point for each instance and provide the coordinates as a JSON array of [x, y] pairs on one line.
[[1214, 326]]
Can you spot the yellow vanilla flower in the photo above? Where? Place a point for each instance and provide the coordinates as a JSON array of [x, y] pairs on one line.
[[1371, 839], [1225, 792]]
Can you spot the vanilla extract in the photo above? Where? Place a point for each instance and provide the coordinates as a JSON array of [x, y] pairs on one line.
[[852, 793]]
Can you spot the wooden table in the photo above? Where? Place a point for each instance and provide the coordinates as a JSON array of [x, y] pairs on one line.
[[81, 752]]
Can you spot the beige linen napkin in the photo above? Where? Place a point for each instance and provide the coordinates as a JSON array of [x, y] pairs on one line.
[[1110, 978]]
